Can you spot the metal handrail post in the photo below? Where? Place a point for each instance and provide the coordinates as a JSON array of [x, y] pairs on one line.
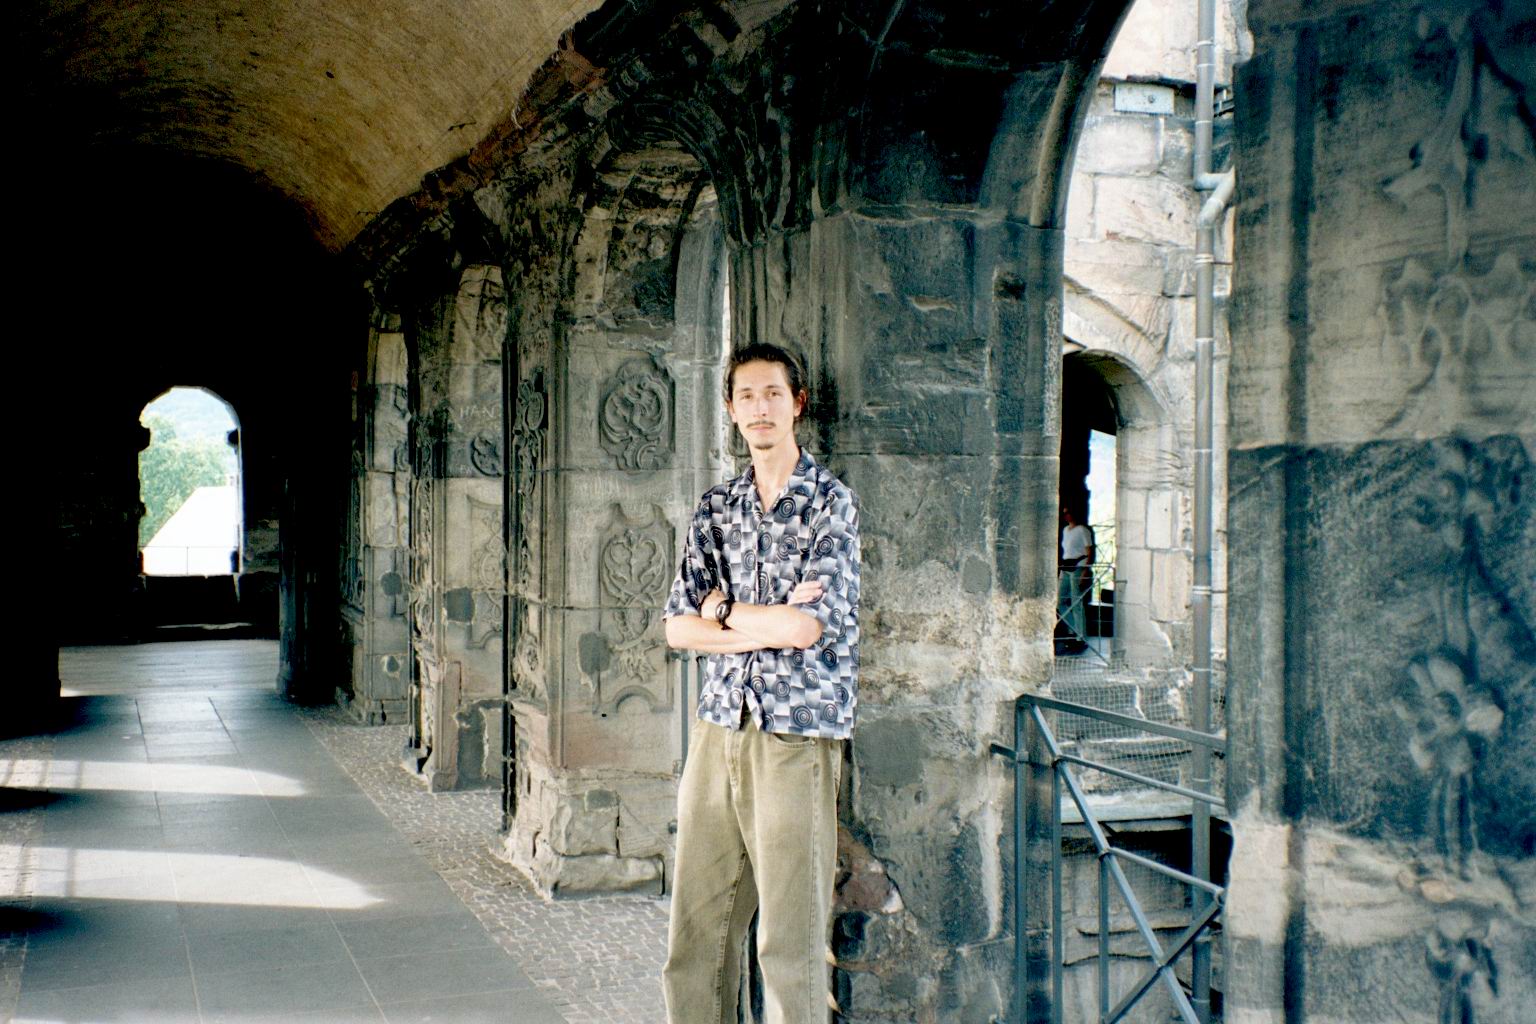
[[1058, 937], [1104, 863]]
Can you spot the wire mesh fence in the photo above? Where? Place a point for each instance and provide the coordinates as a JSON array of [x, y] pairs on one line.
[[1161, 695]]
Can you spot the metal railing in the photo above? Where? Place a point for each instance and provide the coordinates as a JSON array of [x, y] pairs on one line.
[[1098, 577], [1042, 769]]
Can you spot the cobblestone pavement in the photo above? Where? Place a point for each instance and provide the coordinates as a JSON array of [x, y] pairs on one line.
[[598, 959]]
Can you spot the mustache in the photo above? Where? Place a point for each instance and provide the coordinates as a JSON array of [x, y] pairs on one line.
[[760, 423]]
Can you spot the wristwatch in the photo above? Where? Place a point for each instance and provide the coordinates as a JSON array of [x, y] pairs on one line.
[[723, 610]]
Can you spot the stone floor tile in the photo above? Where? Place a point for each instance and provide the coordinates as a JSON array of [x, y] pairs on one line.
[[487, 1008], [397, 936], [424, 974], [154, 1001], [266, 949], [294, 988]]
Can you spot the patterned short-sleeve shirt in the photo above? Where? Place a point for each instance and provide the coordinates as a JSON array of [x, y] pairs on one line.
[[812, 531]]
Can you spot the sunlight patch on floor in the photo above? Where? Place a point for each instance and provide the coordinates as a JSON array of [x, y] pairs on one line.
[[174, 877], [135, 776]]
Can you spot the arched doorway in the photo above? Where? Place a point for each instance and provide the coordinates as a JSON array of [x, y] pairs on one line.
[[192, 521], [189, 484]]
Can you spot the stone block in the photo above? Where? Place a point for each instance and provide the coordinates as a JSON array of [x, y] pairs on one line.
[[1179, 273], [599, 874], [1116, 268], [1170, 585], [647, 816], [1114, 143], [585, 823], [1080, 209], [1144, 209], [1162, 521]]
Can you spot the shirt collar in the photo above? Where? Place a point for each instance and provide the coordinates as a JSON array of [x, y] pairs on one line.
[[743, 486]]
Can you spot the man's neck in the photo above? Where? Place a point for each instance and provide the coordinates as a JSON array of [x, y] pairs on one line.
[[771, 469]]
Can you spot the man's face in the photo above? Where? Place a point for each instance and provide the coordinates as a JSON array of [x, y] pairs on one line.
[[761, 405]]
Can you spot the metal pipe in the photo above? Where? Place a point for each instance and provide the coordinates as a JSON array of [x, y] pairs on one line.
[[1200, 594]]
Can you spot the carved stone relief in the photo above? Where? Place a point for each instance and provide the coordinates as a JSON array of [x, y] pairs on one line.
[[633, 571], [485, 455], [529, 430], [1486, 114], [479, 315], [635, 420], [423, 583], [488, 572], [1479, 657], [1466, 343], [1459, 696], [353, 586]]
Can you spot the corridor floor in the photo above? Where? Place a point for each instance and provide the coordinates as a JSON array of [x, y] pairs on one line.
[[188, 847]]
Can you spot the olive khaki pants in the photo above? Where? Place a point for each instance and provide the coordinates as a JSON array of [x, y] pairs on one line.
[[756, 831]]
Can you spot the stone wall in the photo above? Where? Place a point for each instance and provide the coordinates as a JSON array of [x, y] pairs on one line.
[[1382, 690], [1130, 312]]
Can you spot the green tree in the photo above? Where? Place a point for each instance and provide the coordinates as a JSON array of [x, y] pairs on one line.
[[170, 469]]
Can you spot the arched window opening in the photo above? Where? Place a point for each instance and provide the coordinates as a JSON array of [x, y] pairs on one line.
[[1090, 422], [189, 484]]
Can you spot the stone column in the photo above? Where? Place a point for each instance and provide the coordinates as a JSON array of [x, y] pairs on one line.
[[633, 438], [458, 552], [1382, 682], [375, 599]]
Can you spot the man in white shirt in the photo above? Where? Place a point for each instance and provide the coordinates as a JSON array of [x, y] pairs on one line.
[[1074, 577]]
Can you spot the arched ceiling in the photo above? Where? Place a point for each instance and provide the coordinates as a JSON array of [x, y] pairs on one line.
[[339, 106]]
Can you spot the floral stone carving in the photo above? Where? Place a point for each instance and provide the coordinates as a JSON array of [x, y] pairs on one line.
[[635, 420]]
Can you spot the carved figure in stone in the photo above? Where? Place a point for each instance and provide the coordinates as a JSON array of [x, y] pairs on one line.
[[1486, 112], [485, 455], [634, 566], [1448, 721], [635, 421], [479, 315], [423, 602], [1467, 343], [528, 432], [488, 572], [1456, 694], [1459, 956]]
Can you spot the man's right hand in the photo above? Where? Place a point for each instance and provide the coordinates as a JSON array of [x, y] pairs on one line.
[[807, 592]]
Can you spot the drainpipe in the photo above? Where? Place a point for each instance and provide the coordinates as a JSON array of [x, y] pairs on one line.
[[1219, 191]]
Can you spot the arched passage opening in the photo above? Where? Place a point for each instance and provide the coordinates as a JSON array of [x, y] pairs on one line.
[[1121, 472], [189, 485], [192, 520]]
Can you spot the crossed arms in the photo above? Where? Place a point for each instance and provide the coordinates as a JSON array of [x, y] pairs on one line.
[[753, 627]]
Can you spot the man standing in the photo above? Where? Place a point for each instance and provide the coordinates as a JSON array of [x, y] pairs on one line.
[[769, 589], [1074, 580]]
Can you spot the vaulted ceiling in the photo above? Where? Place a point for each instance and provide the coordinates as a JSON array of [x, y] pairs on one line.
[[337, 106]]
